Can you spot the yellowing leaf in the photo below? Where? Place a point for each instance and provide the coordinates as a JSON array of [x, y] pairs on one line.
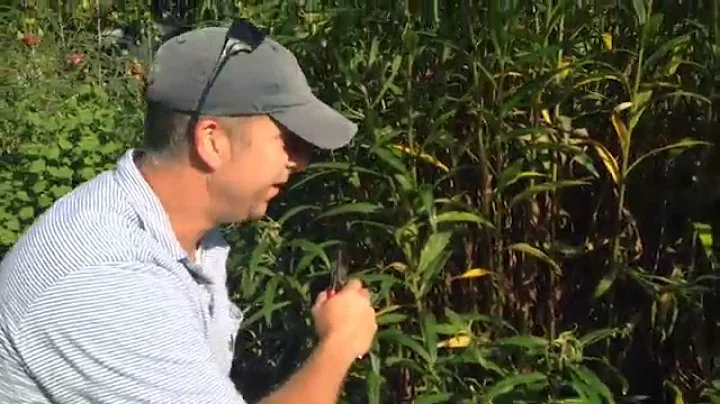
[[474, 273], [398, 266], [622, 132], [422, 155], [607, 40], [460, 341], [609, 161], [565, 70], [546, 116]]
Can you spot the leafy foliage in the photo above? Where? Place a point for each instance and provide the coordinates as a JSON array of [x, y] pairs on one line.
[[529, 197]]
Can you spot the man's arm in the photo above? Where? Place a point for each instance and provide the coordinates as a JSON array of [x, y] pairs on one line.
[[318, 381], [346, 326], [120, 335]]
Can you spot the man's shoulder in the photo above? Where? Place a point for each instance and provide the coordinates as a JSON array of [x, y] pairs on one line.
[[92, 226]]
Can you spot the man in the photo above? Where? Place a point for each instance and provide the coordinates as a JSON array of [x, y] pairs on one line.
[[117, 293]]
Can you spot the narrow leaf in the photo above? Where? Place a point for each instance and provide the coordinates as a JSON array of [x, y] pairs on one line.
[[683, 144], [456, 216], [530, 250], [622, 132], [509, 384], [609, 161], [544, 187], [474, 273], [432, 398], [357, 207]]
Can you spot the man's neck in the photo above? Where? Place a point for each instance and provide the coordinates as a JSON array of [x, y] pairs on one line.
[[185, 210]]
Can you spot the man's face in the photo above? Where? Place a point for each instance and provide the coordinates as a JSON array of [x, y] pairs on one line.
[[259, 158]]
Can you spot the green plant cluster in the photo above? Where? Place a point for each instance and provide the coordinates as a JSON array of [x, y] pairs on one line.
[[531, 197]]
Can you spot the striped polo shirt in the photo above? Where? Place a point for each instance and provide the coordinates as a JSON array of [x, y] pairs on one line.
[[100, 304]]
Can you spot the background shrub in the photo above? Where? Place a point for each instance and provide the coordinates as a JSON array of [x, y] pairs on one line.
[[532, 196]]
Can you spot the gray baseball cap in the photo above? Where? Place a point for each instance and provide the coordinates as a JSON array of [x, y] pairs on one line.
[[266, 80]]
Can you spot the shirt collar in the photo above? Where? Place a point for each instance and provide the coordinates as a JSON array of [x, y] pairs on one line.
[[154, 218]]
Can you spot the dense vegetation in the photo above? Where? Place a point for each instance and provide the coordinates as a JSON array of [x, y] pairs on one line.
[[532, 196]]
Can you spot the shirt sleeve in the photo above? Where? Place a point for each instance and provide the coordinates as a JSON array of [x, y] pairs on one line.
[[118, 335]]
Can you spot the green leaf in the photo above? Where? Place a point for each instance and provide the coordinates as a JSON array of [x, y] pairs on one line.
[[429, 335], [391, 159], [530, 250], [433, 257], [509, 384], [399, 337], [294, 211], [357, 207], [545, 187], [391, 318], [683, 144], [663, 49], [37, 166], [60, 190], [593, 382], [604, 284], [26, 212], [269, 297], [432, 398], [597, 335], [456, 216], [524, 341]]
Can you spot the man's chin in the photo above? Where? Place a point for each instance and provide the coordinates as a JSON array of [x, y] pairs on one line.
[[258, 212]]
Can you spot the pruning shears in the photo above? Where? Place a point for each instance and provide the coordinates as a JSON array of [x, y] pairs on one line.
[[339, 276]]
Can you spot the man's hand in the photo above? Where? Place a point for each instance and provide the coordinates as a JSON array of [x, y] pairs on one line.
[[346, 326], [345, 322]]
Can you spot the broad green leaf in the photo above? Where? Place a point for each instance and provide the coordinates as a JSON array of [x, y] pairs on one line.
[[401, 338], [37, 166], [524, 341], [26, 213], [530, 250], [390, 158], [433, 256], [604, 284], [593, 382], [429, 335]]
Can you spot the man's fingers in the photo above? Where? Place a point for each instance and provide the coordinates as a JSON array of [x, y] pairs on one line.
[[353, 285]]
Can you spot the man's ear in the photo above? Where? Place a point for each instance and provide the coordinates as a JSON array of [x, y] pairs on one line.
[[211, 142]]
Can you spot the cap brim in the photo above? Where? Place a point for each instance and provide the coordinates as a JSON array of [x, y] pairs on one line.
[[317, 123]]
